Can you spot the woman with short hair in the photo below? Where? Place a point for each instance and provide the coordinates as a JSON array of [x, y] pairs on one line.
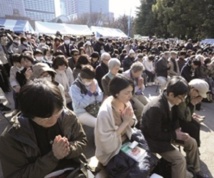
[[114, 128]]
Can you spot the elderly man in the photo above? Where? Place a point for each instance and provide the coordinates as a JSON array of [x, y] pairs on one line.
[[102, 68], [189, 121]]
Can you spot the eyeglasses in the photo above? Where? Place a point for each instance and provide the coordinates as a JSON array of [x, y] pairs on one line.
[[182, 98]]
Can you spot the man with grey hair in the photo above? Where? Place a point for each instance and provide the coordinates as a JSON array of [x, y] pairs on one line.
[[114, 66], [102, 68], [139, 100]]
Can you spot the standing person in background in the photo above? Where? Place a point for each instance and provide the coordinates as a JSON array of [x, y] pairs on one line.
[[173, 65], [102, 68], [181, 59], [148, 63], [88, 48], [99, 46], [108, 47], [56, 44], [162, 67], [24, 45], [72, 61], [66, 46], [128, 60], [95, 59], [14, 47]]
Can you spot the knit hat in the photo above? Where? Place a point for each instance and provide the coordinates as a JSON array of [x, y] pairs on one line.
[[200, 85]]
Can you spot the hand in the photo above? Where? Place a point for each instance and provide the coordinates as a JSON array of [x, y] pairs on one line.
[[60, 147], [181, 135], [93, 87], [128, 114], [16, 88], [196, 100], [28, 73], [140, 82]]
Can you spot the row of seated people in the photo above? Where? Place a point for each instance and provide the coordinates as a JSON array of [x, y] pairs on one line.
[[56, 135]]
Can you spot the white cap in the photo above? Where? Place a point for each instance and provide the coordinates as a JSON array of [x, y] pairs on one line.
[[200, 85], [88, 43], [131, 51]]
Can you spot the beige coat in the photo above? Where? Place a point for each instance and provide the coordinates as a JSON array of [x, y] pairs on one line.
[[107, 142]]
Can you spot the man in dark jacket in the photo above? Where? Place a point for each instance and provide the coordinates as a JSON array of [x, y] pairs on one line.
[[102, 68], [128, 60], [66, 47], [161, 129], [162, 67], [189, 69], [99, 46]]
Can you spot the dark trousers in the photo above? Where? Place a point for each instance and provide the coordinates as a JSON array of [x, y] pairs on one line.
[[192, 128], [150, 75]]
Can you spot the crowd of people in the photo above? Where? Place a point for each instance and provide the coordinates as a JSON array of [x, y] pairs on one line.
[[63, 82]]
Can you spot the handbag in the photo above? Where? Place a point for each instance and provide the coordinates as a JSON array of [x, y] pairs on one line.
[[124, 166], [93, 108]]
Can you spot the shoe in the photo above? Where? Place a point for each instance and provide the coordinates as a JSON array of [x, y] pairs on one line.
[[4, 108], [201, 175]]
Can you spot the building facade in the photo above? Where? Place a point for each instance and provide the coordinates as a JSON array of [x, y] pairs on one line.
[[99, 6], [40, 9], [12, 8]]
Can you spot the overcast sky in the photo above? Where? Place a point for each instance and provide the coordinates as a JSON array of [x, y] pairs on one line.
[[120, 7]]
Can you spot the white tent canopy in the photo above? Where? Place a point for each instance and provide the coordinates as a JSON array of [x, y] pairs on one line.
[[65, 29], [16, 25], [108, 32]]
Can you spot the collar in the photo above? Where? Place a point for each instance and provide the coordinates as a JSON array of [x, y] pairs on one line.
[[170, 105]]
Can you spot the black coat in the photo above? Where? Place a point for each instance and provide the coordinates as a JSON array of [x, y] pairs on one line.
[[162, 68], [158, 126], [101, 70]]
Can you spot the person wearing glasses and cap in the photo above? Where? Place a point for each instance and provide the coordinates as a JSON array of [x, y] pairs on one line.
[[189, 121]]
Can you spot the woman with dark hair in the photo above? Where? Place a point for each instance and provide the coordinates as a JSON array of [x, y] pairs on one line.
[[86, 93], [64, 76], [83, 60], [114, 128], [44, 137]]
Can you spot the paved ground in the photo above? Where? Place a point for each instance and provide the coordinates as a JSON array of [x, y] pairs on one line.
[[207, 134]]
